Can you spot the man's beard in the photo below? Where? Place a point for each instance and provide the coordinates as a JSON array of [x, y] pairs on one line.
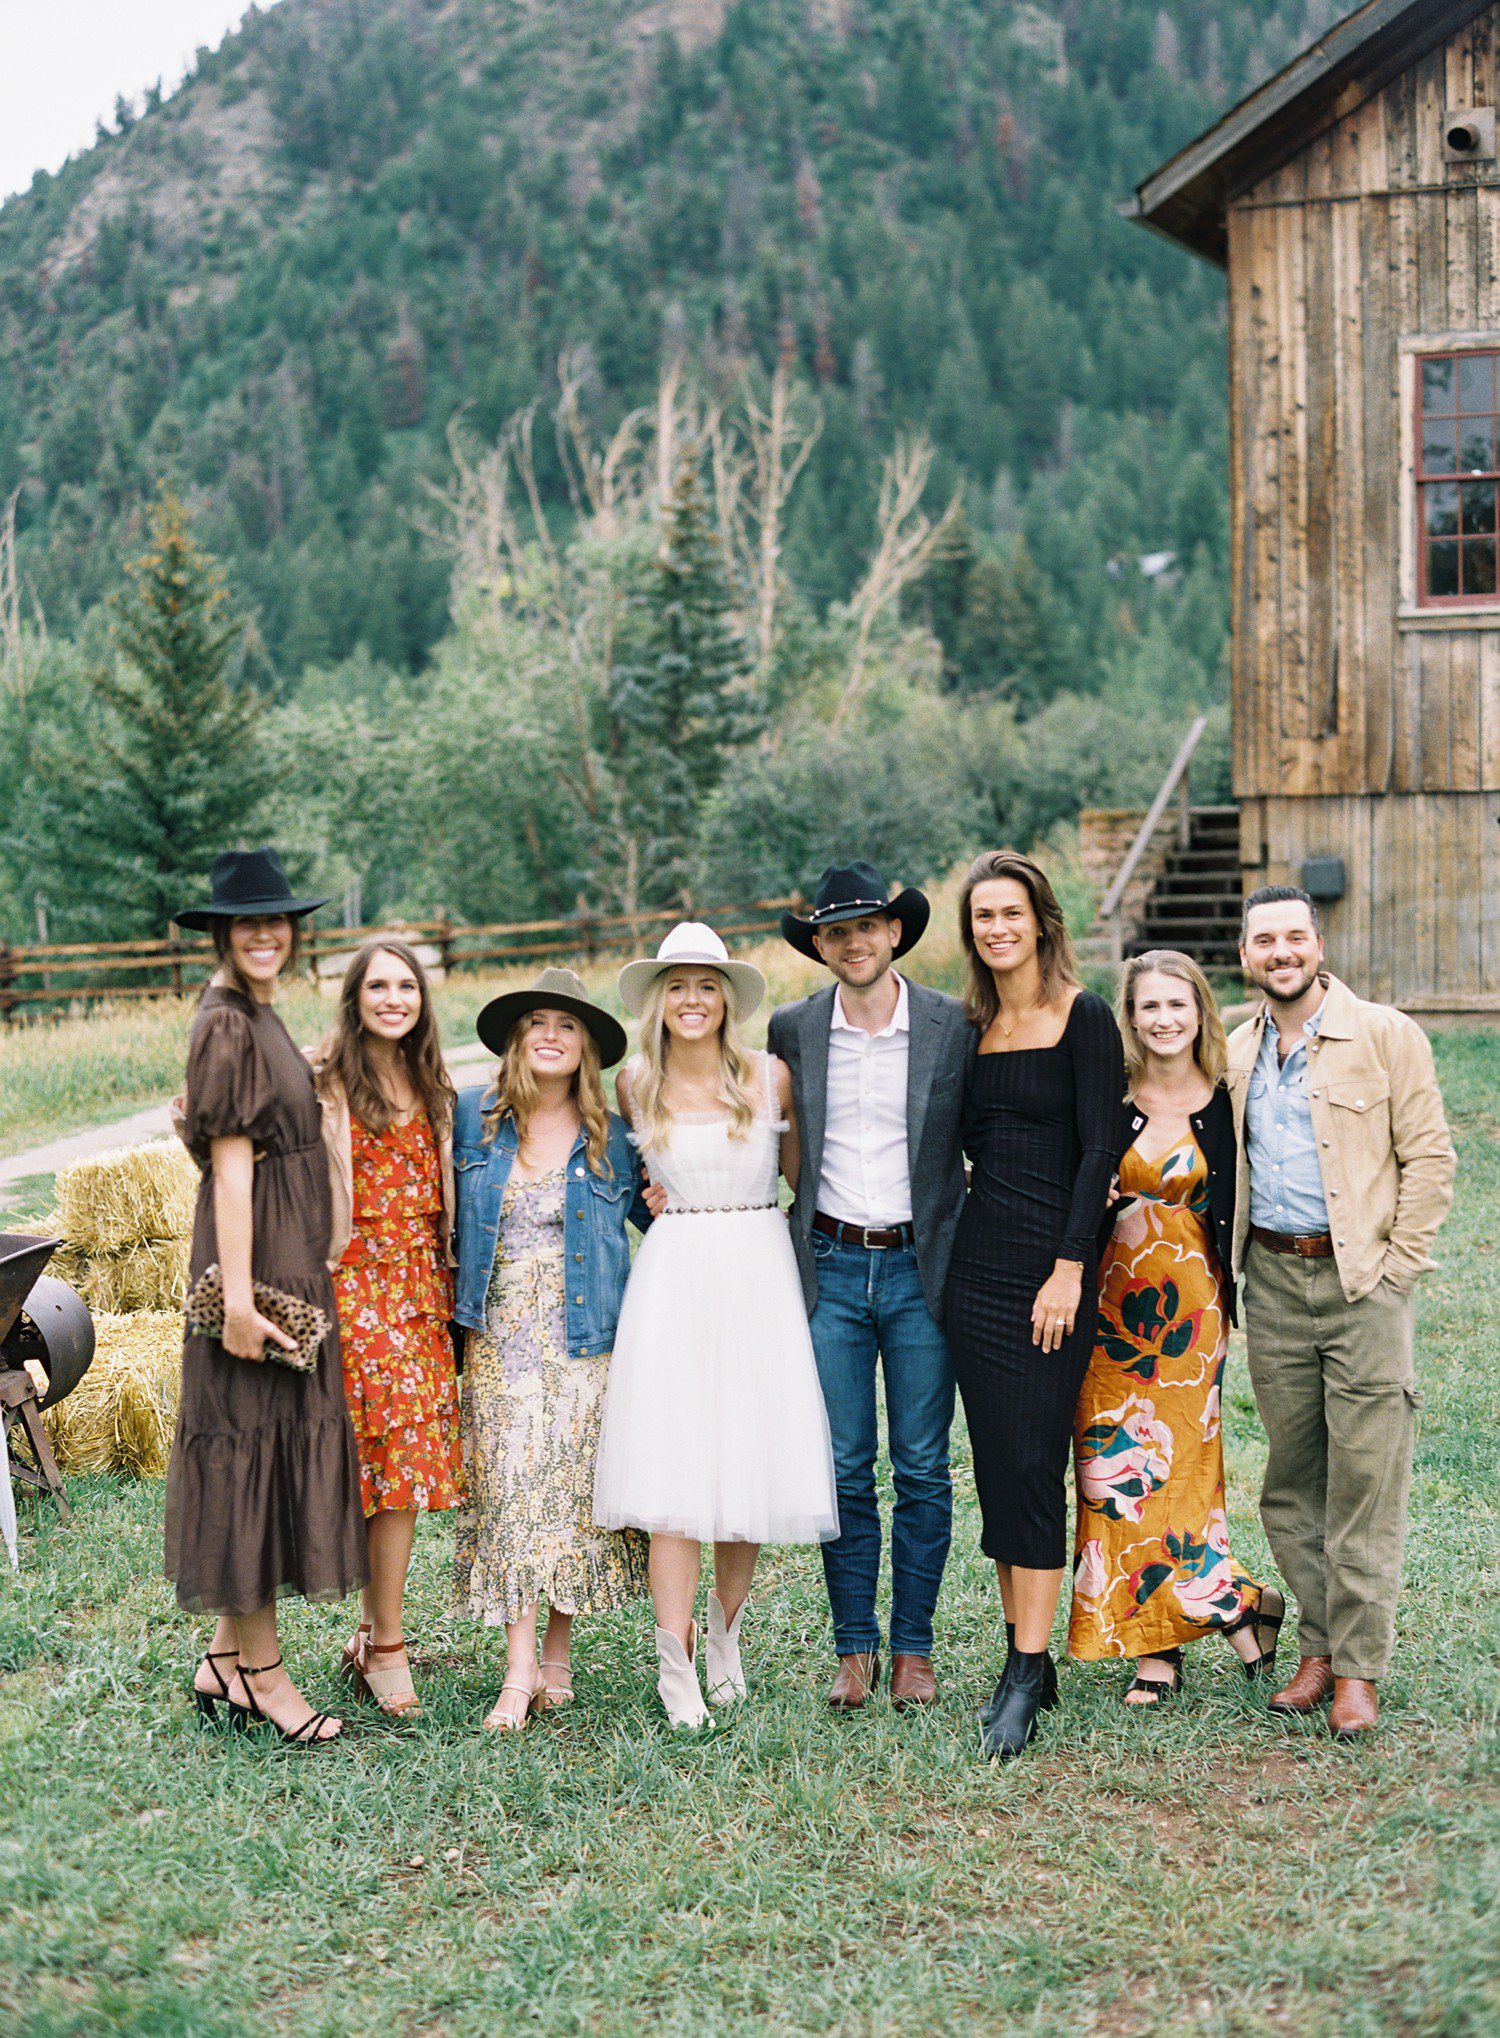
[[1289, 997]]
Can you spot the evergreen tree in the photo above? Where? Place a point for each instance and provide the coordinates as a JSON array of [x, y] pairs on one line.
[[676, 705], [168, 770]]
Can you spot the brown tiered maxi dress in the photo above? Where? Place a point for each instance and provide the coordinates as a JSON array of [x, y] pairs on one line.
[[263, 1492]]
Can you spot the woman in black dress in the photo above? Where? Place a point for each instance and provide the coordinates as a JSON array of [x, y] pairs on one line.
[[263, 1493], [1041, 1115]]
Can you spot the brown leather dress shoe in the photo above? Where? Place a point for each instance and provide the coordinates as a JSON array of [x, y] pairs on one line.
[[1355, 1711], [858, 1676], [912, 1682], [1308, 1689]]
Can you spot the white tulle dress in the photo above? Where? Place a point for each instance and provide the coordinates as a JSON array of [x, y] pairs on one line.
[[714, 1425]]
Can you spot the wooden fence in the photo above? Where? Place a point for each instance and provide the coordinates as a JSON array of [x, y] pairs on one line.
[[76, 972]]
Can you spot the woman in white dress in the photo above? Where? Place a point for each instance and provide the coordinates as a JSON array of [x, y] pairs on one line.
[[714, 1429]]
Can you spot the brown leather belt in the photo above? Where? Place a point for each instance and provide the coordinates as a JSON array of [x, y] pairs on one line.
[[1316, 1245], [862, 1234]]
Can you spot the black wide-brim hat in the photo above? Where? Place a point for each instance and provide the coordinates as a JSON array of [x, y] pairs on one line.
[[246, 884], [851, 891], [555, 990]]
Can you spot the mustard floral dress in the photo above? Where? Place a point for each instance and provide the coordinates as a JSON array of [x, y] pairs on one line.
[[1152, 1566], [530, 1435], [395, 1296]]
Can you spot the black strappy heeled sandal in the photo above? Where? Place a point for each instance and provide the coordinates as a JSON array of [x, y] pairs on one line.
[[244, 1716], [208, 1701], [1263, 1619], [1156, 1688]]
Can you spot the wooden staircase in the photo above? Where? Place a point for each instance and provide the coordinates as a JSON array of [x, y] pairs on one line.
[[1194, 905]]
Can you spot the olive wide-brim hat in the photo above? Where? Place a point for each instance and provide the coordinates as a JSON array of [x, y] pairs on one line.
[[246, 884], [555, 990], [850, 891]]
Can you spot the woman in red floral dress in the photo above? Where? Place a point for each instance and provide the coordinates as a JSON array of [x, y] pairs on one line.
[[387, 1125]]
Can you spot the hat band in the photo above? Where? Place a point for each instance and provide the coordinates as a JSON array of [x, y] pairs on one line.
[[850, 906]]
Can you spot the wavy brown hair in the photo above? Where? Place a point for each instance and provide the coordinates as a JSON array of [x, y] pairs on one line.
[[344, 1058], [1054, 946], [514, 1095], [1210, 1049]]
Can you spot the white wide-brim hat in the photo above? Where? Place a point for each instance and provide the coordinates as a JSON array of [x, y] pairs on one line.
[[691, 945]]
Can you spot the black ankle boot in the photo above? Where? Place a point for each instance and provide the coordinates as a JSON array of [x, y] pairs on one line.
[[1010, 1656], [1028, 1688]]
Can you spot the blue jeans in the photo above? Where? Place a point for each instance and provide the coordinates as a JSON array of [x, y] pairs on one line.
[[870, 1303]]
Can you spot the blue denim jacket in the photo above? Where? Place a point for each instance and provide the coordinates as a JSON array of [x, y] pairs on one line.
[[595, 1245]]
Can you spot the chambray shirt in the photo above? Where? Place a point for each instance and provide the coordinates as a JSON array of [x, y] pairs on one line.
[[1286, 1183]]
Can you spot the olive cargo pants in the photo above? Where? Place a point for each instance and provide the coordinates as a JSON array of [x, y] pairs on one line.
[[1334, 1384]]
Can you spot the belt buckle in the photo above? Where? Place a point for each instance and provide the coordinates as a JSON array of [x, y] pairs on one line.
[[864, 1232]]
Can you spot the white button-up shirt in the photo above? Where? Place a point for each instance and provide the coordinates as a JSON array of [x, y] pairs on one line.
[[866, 1176]]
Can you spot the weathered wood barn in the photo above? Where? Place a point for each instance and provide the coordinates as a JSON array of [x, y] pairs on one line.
[[1355, 201]]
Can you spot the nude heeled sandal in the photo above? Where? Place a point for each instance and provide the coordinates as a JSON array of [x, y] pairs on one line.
[[552, 1698], [677, 1680], [725, 1673], [354, 1651], [501, 1723]]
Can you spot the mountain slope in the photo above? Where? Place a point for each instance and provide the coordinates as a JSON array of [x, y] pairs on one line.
[[361, 216]]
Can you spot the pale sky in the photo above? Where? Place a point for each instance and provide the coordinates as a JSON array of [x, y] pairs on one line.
[[63, 63]]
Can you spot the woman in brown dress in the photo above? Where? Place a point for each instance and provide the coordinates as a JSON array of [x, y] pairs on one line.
[[263, 1493], [388, 1127]]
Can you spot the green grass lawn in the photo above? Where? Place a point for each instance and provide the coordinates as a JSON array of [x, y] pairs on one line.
[[794, 1872]]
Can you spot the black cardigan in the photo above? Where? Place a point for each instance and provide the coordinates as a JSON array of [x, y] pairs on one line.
[[1213, 1128]]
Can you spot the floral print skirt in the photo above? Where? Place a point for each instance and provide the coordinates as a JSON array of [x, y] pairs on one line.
[[1152, 1566], [530, 1419]]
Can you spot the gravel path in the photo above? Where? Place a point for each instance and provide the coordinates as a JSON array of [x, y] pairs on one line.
[[155, 1123]]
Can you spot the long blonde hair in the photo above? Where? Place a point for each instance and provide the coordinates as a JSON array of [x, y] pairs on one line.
[[344, 1058], [514, 1095], [1054, 949], [648, 1072], [1210, 1049]]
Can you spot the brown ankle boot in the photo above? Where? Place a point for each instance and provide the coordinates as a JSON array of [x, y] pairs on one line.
[[1312, 1684], [858, 1676], [1355, 1711], [912, 1682]]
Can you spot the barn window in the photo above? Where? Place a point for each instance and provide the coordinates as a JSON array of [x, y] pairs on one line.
[[1458, 479]]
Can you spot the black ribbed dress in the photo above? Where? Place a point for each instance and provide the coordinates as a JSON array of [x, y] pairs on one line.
[[1040, 1128]]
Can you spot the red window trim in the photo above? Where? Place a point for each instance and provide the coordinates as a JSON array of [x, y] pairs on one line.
[[1423, 480]]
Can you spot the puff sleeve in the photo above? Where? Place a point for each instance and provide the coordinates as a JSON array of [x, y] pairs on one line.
[[229, 1092]]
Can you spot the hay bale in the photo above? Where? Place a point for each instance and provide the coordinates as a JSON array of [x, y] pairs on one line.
[[121, 1415], [152, 1276], [112, 1201]]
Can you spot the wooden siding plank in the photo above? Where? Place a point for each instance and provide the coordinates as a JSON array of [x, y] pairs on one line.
[[1486, 256], [1461, 210], [1482, 41], [1400, 104], [1432, 261], [1465, 734], [1349, 678], [1429, 97], [1259, 690], [1319, 712], [1432, 706], [1291, 386], [1487, 905], [1380, 264], [1489, 711], [1245, 370]]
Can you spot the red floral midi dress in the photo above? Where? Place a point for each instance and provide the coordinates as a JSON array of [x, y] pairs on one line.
[[395, 1296]]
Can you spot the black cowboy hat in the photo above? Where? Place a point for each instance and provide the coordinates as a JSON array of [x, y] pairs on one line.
[[244, 884], [555, 990], [848, 892]]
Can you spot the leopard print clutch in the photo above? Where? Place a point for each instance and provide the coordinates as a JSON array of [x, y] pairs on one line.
[[303, 1321]]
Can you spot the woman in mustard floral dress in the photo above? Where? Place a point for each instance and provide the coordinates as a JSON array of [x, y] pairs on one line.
[[387, 1125], [1152, 1565]]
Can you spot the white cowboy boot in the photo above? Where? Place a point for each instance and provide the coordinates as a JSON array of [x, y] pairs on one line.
[[678, 1680], [726, 1674]]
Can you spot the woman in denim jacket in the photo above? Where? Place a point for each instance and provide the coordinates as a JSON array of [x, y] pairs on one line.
[[546, 1179]]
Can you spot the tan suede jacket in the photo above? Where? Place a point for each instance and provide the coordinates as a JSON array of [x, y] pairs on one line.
[[1383, 1142], [338, 1147]]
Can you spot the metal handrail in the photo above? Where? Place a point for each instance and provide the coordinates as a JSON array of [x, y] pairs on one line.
[[1176, 775]]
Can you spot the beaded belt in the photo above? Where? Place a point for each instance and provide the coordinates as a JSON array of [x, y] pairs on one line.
[[711, 1209]]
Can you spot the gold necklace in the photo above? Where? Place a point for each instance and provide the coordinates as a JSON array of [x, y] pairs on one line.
[[1009, 1030]]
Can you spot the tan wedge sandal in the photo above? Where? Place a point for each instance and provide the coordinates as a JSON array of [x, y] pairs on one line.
[[392, 1690], [354, 1650]]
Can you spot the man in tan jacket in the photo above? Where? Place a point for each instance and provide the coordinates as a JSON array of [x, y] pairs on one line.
[[1345, 1174]]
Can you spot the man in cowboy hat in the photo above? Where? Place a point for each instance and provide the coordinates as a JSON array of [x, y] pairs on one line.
[[878, 1065]]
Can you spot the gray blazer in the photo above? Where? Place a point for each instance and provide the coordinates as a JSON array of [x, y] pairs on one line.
[[940, 1049]]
